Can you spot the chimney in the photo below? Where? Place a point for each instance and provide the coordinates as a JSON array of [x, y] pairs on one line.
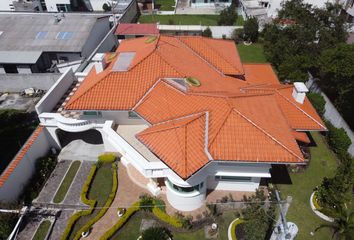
[[299, 92], [100, 62]]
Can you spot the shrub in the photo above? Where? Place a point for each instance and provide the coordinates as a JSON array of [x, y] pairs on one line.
[[156, 233], [176, 222], [228, 16], [159, 203], [106, 7], [130, 211], [318, 102], [85, 200], [207, 33], [107, 158], [146, 203], [338, 140], [108, 203]]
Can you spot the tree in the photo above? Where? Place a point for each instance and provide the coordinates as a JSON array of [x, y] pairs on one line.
[[251, 29], [294, 42], [318, 102], [228, 16], [343, 225], [207, 33], [156, 233]]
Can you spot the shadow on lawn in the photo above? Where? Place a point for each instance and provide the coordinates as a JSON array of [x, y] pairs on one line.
[[280, 175]]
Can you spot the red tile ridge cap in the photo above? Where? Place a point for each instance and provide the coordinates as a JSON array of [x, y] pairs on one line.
[[268, 134], [18, 157], [309, 116]]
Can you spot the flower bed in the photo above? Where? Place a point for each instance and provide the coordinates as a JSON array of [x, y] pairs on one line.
[[232, 228], [316, 208]]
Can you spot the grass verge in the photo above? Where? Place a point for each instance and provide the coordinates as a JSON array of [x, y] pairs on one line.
[[42, 230], [251, 54], [205, 20], [165, 5], [65, 184], [323, 163]]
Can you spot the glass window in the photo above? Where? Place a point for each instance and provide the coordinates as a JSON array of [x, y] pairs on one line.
[[132, 114], [64, 35], [41, 35], [233, 178], [185, 189], [92, 113]]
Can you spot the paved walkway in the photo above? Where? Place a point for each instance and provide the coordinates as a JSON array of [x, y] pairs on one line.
[[52, 184], [30, 228], [127, 194], [60, 224], [73, 196], [79, 149]]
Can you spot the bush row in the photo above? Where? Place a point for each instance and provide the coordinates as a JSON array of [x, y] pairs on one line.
[[338, 140], [85, 200], [130, 211], [107, 158], [167, 218], [103, 211]]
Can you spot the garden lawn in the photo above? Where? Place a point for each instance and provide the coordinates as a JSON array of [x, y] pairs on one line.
[[42, 230], [165, 5], [251, 54], [323, 163], [205, 20], [101, 187], [65, 184]]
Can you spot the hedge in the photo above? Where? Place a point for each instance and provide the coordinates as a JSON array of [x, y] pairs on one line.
[[167, 218], [130, 211], [315, 202], [318, 102], [85, 200], [338, 140], [233, 228], [105, 208], [107, 158]]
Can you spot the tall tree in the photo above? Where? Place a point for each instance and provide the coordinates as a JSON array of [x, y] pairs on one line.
[[250, 28]]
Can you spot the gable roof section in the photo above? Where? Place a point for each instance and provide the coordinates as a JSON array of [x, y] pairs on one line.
[[180, 142], [260, 74], [223, 56]]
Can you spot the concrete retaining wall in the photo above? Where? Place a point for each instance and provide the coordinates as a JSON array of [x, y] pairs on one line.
[[18, 82], [331, 113]]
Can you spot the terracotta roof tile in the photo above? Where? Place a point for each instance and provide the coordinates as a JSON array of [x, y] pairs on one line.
[[137, 29], [13, 164]]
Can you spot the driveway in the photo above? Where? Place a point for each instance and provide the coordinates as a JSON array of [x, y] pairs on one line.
[[80, 150]]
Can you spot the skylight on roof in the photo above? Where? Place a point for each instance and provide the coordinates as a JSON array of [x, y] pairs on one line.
[[64, 35], [123, 61], [41, 35]]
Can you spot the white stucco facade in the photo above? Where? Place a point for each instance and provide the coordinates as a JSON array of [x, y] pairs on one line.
[[6, 5]]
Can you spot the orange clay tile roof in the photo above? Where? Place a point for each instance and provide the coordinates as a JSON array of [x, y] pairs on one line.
[[12, 166], [238, 113], [187, 135], [301, 136]]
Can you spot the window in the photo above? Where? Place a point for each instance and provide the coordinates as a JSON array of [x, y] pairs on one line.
[[186, 189], [41, 35], [92, 113], [233, 178], [64, 35], [132, 114], [63, 7]]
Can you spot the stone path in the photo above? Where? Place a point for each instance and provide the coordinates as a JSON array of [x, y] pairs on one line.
[[52, 184], [60, 224], [127, 194], [73, 195]]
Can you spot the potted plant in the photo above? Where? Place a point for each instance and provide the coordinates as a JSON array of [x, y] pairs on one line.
[[121, 212]]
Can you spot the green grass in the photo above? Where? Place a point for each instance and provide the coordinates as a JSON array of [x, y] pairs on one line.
[[130, 231], [205, 20], [165, 5], [323, 163], [65, 184], [251, 54], [100, 189], [42, 230]]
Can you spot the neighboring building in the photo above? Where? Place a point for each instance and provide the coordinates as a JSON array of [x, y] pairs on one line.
[[185, 114], [132, 30], [210, 3], [67, 5], [7, 5], [36, 43], [348, 11]]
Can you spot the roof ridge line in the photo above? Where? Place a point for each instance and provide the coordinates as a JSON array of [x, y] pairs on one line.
[[157, 52], [175, 119], [200, 57], [266, 133], [223, 123], [220, 55], [300, 109]]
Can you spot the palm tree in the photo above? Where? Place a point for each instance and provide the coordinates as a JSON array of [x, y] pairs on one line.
[[343, 224]]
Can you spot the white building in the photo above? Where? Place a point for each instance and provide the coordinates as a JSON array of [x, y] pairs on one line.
[[186, 114]]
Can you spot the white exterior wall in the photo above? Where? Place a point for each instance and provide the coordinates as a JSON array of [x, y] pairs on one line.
[[2, 70], [52, 4], [97, 4], [14, 185], [6, 5], [24, 69], [233, 186]]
